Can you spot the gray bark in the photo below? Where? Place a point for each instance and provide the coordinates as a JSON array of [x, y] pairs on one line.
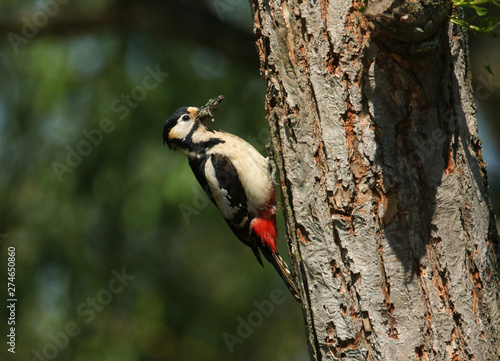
[[383, 184]]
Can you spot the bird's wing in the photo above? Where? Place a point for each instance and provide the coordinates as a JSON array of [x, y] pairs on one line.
[[226, 188], [219, 179]]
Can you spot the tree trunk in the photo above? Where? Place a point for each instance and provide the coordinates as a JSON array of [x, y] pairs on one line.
[[384, 187]]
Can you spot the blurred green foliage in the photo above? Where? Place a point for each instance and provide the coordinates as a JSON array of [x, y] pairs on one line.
[[114, 206], [87, 189]]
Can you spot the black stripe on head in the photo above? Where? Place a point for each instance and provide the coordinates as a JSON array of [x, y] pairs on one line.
[[171, 122], [199, 148], [203, 147]]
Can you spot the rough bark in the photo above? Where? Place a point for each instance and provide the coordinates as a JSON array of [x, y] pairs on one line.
[[383, 184]]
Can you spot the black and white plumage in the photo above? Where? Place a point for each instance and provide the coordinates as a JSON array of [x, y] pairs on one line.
[[235, 177]]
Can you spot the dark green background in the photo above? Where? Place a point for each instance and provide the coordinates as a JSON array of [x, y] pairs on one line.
[[117, 209]]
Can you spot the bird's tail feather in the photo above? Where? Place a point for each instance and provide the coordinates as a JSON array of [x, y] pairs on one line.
[[275, 259]]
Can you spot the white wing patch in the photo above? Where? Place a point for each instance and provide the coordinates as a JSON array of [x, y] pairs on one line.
[[221, 196]]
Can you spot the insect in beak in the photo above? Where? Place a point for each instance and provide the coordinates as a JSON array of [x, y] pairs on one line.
[[205, 113]]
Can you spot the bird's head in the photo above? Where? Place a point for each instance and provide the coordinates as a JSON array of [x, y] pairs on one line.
[[187, 128], [182, 125]]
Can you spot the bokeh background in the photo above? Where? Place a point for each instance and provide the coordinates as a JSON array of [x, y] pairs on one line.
[[119, 255]]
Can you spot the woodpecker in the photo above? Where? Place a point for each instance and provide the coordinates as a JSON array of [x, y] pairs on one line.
[[235, 177]]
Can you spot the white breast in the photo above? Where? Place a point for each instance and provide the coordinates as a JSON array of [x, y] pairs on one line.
[[252, 169]]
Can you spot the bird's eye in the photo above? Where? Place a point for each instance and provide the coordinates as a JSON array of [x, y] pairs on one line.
[[185, 117]]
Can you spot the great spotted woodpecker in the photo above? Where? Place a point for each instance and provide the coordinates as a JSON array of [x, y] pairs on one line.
[[235, 177]]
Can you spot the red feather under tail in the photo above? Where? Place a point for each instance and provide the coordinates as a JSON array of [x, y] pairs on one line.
[[264, 226], [266, 230]]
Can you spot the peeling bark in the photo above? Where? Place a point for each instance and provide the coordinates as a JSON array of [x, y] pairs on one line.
[[383, 183]]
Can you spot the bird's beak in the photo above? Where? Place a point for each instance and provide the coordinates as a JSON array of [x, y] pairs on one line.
[[193, 111], [205, 113], [203, 116]]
